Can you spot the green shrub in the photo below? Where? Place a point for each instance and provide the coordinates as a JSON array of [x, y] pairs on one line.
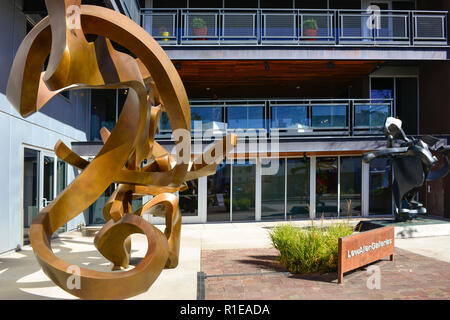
[[310, 24], [198, 23], [309, 250]]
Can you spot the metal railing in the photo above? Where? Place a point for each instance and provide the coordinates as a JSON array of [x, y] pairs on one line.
[[175, 27], [311, 117]]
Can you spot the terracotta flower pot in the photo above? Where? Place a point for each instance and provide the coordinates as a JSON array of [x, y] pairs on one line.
[[310, 33], [200, 31]]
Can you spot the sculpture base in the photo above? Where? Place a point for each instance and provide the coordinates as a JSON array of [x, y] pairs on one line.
[[422, 226]]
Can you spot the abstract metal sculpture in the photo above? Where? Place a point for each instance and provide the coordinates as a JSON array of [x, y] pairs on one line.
[[412, 162], [154, 87]]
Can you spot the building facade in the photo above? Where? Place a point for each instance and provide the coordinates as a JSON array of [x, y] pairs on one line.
[[306, 85]]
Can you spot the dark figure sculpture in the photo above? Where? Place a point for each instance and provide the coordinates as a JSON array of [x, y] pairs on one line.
[[412, 162]]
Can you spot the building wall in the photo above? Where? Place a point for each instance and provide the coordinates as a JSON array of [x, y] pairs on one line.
[[59, 119]]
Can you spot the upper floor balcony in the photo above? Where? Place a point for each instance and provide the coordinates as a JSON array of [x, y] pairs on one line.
[[296, 27], [285, 118]]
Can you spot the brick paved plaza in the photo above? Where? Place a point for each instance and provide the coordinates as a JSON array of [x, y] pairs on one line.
[[256, 274]]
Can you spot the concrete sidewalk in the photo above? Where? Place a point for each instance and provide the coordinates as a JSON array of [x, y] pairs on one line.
[[22, 278]]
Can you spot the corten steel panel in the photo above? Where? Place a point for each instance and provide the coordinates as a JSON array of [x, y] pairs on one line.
[[365, 240], [74, 63]]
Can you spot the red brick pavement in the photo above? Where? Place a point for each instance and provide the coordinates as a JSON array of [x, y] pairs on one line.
[[410, 276]]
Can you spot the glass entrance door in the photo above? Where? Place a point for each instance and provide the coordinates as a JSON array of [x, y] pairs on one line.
[[243, 191], [326, 187], [44, 177], [30, 190]]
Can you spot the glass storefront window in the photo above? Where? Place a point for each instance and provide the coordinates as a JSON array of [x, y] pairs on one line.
[[298, 188], [380, 187], [272, 192], [290, 117], [245, 117], [218, 202], [96, 209], [350, 186], [244, 182], [326, 186], [329, 116], [189, 199]]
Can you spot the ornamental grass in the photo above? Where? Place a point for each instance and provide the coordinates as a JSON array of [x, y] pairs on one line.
[[313, 249]]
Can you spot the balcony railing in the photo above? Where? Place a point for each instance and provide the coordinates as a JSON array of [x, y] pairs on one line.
[[175, 27], [284, 118]]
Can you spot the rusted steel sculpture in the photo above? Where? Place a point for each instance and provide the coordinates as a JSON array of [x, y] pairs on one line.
[[412, 162], [154, 87]]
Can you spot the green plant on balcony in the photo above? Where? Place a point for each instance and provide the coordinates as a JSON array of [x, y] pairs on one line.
[[199, 27], [310, 28]]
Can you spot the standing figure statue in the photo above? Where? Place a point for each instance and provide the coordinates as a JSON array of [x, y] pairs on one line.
[[412, 162]]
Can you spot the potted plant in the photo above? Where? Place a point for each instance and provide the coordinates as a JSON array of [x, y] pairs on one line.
[[199, 27], [310, 28]]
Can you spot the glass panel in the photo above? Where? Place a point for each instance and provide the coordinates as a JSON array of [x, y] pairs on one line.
[[350, 186], [245, 117], [96, 209], [189, 200], [288, 117], [326, 187], [61, 178], [61, 183], [49, 181], [164, 124], [371, 116], [103, 111], [333, 116], [279, 25], [380, 190], [298, 188], [243, 201], [202, 25], [272, 193], [239, 25], [219, 194], [207, 118], [30, 189]]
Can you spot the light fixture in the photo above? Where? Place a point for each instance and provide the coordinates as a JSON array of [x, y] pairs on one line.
[[297, 87], [207, 89], [330, 65]]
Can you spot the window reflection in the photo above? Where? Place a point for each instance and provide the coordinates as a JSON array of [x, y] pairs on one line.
[[350, 186], [218, 202], [245, 117], [298, 188], [243, 200], [326, 187], [189, 199], [290, 117], [380, 190], [371, 116], [205, 118], [333, 116], [272, 198]]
